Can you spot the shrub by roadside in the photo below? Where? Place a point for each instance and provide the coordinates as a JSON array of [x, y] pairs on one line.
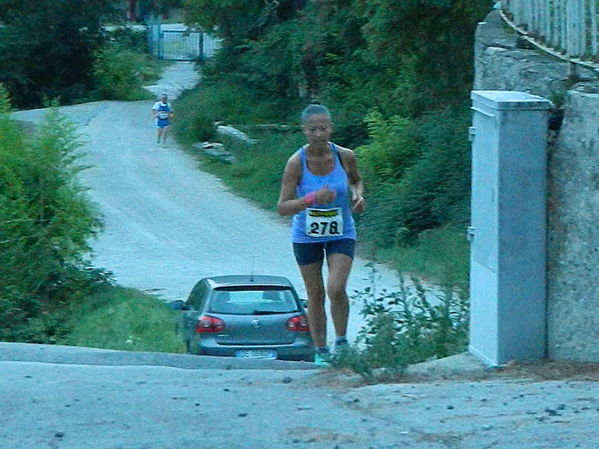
[[120, 73], [46, 221], [220, 101], [406, 327]]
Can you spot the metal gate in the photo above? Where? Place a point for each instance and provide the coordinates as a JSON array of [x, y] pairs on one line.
[[181, 44]]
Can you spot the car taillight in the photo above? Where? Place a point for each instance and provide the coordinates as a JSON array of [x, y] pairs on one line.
[[298, 323], [207, 324]]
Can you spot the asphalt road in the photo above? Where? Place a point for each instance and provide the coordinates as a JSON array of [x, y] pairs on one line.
[[167, 224], [77, 398]]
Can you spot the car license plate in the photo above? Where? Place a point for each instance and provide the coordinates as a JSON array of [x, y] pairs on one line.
[[256, 353]]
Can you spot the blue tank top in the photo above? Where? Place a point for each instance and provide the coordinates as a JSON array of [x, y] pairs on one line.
[[321, 218], [163, 112]]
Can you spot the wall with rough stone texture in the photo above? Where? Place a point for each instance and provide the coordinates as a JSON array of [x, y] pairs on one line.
[[506, 62]]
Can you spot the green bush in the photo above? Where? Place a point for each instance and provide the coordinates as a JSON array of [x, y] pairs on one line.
[[195, 121], [120, 73], [47, 48], [416, 184], [405, 327], [129, 38], [220, 101], [201, 127], [392, 149], [46, 221]]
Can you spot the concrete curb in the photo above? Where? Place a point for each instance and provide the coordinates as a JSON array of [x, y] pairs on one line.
[[73, 355]]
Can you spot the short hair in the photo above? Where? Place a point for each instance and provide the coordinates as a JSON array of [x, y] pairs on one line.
[[314, 109], [163, 95]]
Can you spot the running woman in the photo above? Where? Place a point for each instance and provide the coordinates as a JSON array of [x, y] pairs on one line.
[[320, 181], [162, 111]]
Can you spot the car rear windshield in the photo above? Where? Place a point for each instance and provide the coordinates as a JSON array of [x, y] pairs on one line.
[[253, 301]]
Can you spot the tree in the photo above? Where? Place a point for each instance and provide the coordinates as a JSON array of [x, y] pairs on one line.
[[155, 7], [396, 75], [232, 20], [46, 219], [47, 48]]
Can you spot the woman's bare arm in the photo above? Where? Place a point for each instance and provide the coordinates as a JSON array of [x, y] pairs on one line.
[[355, 180], [288, 203]]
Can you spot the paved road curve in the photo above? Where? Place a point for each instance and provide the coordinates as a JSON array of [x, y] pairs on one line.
[[167, 224]]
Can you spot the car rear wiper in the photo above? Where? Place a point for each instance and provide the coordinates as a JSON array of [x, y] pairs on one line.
[[270, 312]]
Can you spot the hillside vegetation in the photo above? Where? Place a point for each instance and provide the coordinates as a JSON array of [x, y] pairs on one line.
[[396, 76], [46, 221], [62, 50]]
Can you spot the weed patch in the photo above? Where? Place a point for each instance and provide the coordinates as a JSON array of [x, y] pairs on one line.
[[407, 326]]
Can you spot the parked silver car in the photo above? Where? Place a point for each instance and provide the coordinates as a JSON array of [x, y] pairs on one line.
[[246, 316]]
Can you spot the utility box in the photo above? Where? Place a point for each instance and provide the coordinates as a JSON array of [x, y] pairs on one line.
[[508, 226]]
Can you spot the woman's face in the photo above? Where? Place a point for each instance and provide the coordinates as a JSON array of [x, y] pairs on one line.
[[318, 129]]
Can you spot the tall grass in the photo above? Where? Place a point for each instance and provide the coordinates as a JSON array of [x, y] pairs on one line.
[[439, 255], [257, 173], [46, 222], [259, 168], [124, 319]]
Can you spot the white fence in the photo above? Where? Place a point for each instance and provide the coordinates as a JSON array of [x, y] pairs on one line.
[[569, 27]]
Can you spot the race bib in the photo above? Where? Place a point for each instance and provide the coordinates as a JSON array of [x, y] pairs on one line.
[[324, 222], [163, 115]]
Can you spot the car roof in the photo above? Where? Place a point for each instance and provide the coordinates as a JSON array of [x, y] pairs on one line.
[[247, 279]]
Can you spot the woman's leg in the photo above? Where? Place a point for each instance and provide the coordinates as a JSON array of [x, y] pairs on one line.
[[339, 268], [312, 275]]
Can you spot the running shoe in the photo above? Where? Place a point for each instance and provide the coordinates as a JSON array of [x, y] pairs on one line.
[[322, 359], [341, 344]]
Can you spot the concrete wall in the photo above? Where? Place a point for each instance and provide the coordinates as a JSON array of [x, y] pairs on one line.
[[505, 62]]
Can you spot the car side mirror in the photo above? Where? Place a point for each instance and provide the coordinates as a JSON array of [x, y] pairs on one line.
[[178, 305]]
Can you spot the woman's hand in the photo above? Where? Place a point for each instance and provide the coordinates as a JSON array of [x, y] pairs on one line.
[[358, 203], [325, 195]]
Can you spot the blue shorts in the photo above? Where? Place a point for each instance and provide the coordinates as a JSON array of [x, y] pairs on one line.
[[161, 123], [307, 253]]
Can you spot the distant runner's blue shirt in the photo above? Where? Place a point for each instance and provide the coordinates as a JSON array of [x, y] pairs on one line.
[[324, 222], [163, 113]]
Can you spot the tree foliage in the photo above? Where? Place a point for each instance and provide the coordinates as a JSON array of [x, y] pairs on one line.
[[47, 47], [396, 76], [232, 20], [45, 220]]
